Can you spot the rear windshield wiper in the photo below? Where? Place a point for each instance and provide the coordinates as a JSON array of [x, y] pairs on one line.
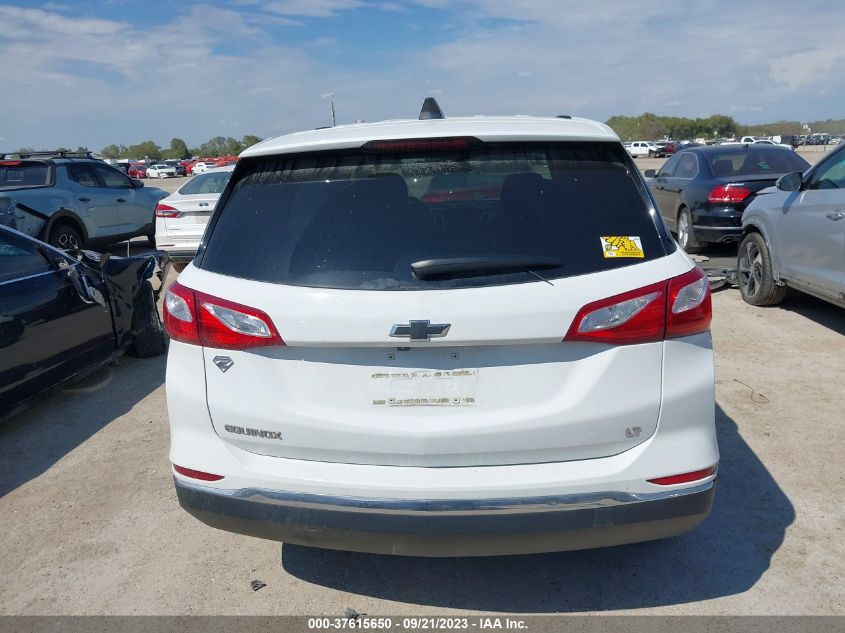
[[450, 265]]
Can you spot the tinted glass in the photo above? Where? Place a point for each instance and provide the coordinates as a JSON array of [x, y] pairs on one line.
[[688, 166], [112, 177], [756, 162], [82, 174], [23, 174], [212, 182], [20, 257], [670, 166], [831, 173], [359, 220]]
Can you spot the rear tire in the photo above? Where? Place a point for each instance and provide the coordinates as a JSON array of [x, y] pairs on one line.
[[686, 232], [151, 240], [755, 273], [65, 237], [149, 339]]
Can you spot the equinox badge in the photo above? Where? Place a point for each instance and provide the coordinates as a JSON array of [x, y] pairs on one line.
[[420, 330]]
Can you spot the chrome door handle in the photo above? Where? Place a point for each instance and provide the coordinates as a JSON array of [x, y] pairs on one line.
[[835, 215]]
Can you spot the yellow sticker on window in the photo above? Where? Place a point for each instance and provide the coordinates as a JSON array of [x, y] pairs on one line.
[[621, 246]]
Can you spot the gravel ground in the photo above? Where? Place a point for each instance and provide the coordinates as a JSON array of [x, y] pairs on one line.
[[91, 524]]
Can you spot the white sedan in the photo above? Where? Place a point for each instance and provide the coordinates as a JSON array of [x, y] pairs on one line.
[[202, 167], [161, 170], [181, 217]]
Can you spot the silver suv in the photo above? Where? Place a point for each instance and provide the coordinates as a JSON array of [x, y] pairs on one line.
[[795, 236]]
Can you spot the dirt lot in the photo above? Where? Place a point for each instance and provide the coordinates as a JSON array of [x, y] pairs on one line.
[[91, 524]]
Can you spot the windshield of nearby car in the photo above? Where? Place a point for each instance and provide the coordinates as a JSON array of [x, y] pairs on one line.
[[211, 182], [352, 219], [756, 162], [20, 173]]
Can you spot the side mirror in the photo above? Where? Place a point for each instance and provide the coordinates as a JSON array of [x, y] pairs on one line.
[[76, 276], [790, 182], [650, 173], [137, 184]]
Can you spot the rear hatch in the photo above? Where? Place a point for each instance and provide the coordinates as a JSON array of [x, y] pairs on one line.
[[426, 330]]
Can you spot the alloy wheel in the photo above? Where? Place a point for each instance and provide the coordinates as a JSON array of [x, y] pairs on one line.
[[683, 230], [751, 269]]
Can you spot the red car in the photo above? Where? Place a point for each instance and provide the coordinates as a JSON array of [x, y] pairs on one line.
[[138, 170]]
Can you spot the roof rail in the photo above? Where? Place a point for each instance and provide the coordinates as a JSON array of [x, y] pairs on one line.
[[48, 154], [431, 110]]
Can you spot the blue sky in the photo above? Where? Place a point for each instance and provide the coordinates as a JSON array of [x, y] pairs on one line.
[[79, 72]]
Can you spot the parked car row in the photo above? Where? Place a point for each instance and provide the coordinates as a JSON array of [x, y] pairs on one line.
[[655, 149]]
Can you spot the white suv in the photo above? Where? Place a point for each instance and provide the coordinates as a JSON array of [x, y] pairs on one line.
[[446, 337]]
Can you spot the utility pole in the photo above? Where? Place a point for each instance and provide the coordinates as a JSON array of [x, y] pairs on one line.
[[334, 118]]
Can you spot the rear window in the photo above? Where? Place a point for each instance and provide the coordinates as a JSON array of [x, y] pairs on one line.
[[360, 220], [213, 182], [20, 173], [756, 162]]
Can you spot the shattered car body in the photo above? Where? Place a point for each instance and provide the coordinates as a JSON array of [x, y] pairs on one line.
[[66, 314]]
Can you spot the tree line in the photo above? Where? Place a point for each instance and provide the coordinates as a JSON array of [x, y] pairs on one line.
[[650, 126], [217, 146]]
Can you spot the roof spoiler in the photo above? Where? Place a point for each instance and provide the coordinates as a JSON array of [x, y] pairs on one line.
[[431, 110]]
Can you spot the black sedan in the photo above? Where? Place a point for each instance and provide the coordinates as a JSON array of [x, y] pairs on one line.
[[702, 191], [65, 314]]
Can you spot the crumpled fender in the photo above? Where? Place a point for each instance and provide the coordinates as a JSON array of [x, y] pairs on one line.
[[124, 279]]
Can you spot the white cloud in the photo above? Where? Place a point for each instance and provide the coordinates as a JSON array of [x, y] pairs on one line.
[[312, 8], [809, 67]]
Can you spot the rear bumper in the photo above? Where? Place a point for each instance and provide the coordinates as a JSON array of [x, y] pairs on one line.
[[719, 234], [450, 527]]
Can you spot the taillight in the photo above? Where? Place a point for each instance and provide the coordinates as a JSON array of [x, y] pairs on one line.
[[668, 309], [196, 474], [684, 478], [638, 316], [727, 194], [689, 305], [166, 211], [180, 314], [202, 319]]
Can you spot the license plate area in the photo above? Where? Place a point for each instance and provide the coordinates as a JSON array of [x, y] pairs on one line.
[[404, 387]]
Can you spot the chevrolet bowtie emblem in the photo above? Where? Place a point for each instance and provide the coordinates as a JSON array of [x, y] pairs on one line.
[[420, 330]]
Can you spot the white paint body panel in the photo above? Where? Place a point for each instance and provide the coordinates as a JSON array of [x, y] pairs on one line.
[[685, 440], [511, 128], [531, 397]]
